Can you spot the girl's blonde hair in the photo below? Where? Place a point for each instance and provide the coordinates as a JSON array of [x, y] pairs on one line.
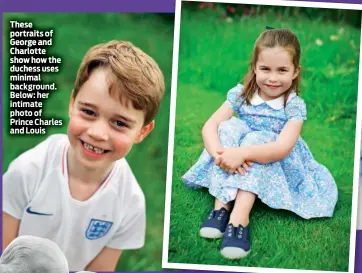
[[269, 39]]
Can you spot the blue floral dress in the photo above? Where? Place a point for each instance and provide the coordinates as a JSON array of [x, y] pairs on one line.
[[297, 183]]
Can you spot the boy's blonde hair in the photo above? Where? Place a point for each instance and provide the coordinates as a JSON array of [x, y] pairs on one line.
[[134, 76], [269, 39]]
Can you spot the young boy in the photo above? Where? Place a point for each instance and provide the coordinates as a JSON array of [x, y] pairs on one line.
[[77, 189]]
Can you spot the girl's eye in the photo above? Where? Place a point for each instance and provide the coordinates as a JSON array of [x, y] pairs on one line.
[[120, 123], [264, 68], [282, 70], [88, 112]]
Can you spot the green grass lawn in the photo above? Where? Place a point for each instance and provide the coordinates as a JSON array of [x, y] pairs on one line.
[[214, 55], [74, 35]]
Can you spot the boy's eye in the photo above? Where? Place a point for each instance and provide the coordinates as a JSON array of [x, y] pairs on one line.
[[120, 123], [88, 112]]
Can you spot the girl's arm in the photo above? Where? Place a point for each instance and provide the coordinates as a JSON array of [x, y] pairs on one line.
[[210, 129], [276, 150]]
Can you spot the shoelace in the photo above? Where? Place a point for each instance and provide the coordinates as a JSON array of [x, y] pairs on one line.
[[213, 214], [233, 230]]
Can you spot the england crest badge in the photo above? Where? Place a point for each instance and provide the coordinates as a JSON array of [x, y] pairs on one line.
[[97, 229]]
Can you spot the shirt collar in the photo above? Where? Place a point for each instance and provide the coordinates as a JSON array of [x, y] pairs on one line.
[[276, 104]]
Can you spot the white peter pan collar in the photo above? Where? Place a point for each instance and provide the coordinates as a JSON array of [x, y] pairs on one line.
[[276, 104]]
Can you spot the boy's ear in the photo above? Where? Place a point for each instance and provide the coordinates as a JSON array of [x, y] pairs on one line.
[[145, 131], [71, 102]]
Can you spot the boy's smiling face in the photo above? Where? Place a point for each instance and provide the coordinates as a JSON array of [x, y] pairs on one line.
[[101, 129]]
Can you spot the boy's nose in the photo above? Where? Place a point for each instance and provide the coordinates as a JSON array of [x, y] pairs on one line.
[[98, 131]]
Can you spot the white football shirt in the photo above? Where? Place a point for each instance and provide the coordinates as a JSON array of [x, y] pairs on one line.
[[36, 191]]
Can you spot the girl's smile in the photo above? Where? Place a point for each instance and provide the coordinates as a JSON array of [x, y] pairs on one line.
[[273, 86]]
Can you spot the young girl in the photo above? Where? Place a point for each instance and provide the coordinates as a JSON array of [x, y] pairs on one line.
[[260, 153]]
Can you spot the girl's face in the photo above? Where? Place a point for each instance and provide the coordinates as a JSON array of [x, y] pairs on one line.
[[274, 72]]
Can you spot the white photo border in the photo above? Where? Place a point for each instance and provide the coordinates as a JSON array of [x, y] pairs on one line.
[[165, 263]]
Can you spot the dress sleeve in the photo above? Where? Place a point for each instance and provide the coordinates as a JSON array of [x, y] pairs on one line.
[[234, 98], [296, 109]]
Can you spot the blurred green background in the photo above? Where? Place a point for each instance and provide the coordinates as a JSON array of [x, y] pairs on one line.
[[75, 33], [216, 42]]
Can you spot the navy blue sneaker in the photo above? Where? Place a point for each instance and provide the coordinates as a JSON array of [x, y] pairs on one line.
[[236, 242], [215, 224]]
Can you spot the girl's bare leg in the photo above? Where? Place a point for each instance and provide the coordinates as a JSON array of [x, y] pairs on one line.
[[218, 205], [236, 242], [243, 204]]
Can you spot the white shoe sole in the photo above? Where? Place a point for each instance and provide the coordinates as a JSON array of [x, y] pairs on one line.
[[210, 233], [234, 253]]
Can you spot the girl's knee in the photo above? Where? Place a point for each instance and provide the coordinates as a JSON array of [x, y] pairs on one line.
[[259, 137], [232, 131]]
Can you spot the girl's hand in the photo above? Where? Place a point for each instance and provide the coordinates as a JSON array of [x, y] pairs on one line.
[[244, 168], [215, 153], [232, 161]]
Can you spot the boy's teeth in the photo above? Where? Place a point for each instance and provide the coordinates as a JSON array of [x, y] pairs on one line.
[[93, 149]]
